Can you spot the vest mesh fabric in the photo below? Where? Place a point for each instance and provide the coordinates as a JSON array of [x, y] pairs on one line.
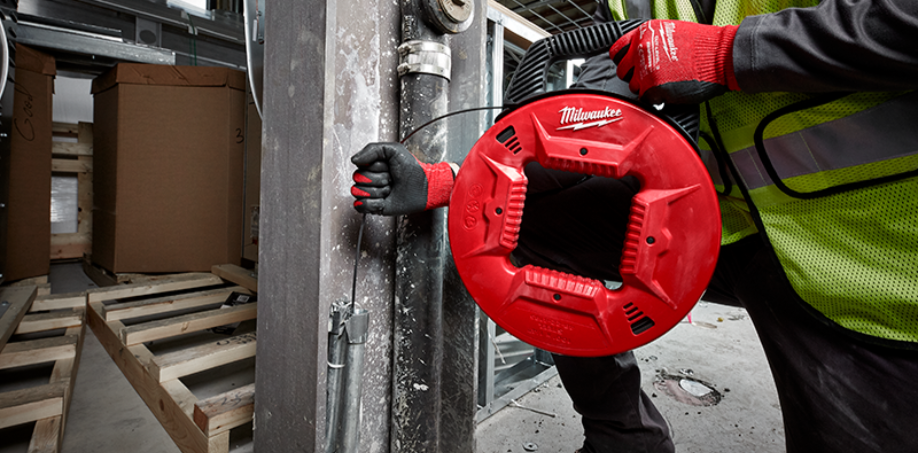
[[861, 273], [853, 256], [736, 221]]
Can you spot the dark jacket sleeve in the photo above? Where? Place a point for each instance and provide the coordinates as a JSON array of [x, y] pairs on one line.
[[598, 71], [839, 45]]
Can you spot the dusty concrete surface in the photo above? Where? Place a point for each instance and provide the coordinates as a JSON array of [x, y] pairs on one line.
[[719, 348]]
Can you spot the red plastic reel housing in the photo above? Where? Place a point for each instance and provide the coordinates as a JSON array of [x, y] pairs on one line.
[[671, 245]]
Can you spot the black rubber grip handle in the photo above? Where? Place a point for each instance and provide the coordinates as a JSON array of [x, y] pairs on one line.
[[530, 78]]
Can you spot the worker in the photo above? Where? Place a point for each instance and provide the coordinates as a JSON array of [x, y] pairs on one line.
[[809, 107]]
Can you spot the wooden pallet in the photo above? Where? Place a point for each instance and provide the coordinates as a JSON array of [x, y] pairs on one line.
[[126, 318], [39, 329], [41, 282], [74, 158], [104, 278]]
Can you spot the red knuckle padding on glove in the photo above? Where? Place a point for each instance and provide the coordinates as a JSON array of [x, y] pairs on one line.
[[358, 192]]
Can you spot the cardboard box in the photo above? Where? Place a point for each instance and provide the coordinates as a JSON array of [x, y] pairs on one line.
[[168, 168], [252, 181], [28, 240]]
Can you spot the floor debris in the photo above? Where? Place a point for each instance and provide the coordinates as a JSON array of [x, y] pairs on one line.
[[518, 405]]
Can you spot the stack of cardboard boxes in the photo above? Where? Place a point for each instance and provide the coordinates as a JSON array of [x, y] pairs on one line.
[[169, 154], [28, 234]]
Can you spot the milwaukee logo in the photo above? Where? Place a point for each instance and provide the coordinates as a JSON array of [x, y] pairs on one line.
[[591, 118]]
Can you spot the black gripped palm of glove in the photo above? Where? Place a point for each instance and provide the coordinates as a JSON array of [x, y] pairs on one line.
[[390, 181]]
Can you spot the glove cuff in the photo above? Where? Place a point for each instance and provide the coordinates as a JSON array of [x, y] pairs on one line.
[[728, 37], [440, 179], [720, 68]]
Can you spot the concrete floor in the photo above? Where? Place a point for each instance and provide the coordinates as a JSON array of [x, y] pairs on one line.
[[719, 349]]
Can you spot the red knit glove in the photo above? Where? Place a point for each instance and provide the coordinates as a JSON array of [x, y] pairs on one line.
[[676, 62], [390, 181]]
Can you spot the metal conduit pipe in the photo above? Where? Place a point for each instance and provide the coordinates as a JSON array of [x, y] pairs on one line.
[[418, 347], [355, 330], [347, 339], [336, 366], [418, 316]]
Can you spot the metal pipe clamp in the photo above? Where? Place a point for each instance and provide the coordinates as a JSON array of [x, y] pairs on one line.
[[427, 57]]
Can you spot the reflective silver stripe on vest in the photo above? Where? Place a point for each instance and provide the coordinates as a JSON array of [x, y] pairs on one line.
[[638, 9], [884, 132], [710, 162]]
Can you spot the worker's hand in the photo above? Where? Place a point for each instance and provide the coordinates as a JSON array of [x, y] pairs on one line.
[[390, 181], [676, 62]]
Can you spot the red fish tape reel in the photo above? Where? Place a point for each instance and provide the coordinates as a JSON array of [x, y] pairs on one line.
[[671, 245]]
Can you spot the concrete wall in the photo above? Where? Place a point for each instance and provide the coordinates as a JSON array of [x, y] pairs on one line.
[[330, 88]]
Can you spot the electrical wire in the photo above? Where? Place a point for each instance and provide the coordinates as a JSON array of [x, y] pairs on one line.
[[353, 304], [418, 129], [363, 219]]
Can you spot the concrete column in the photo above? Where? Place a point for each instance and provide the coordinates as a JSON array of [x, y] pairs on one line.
[[330, 87]]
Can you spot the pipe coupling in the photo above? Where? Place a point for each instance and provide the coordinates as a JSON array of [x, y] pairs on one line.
[[427, 57], [357, 326]]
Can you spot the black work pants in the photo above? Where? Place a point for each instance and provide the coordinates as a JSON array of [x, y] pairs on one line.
[[837, 394]]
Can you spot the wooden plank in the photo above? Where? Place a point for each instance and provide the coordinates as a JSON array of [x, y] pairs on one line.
[[40, 322], [175, 283], [204, 357], [33, 281], [219, 443], [66, 371], [193, 322], [141, 353], [71, 149], [84, 202], [186, 435], [27, 405], [225, 411], [43, 289], [70, 245], [38, 351], [17, 301], [237, 275], [85, 186], [84, 132], [181, 395], [166, 304], [46, 436], [71, 165], [98, 275], [58, 301], [65, 129]]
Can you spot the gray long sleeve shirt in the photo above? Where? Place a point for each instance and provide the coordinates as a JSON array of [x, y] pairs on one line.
[[839, 45]]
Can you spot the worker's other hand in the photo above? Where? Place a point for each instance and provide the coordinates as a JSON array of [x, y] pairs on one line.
[[670, 61], [390, 181]]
